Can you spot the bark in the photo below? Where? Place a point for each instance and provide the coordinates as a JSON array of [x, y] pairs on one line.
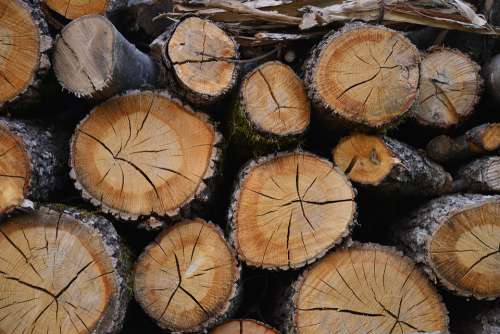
[[491, 74], [101, 245], [179, 52], [476, 142], [364, 271], [399, 168], [101, 64], [484, 319], [272, 112], [30, 94], [283, 201], [186, 252], [171, 175], [47, 156], [431, 223], [349, 102], [480, 176]]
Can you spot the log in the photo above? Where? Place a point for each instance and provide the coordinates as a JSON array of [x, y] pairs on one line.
[[484, 319], [289, 209], [200, 59], [450, 87], [25, 44], [188, 279], [389, 166], [73, 9], [480, 140], [272, 112], [366, 288], [243, 326], [491, 74], [480, 176], [62, 271], [93, 60], [31, 163], [457, 239], [363, 75], [144, 153]]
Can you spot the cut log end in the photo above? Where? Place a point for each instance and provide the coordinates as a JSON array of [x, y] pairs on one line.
[[143, 153], [84, 57], [450, 87], [19, 49], [202, 56], [245, 326], [464, 251], [367, 289], [289, 210], [15, 170], [275, 101], [490, 138], [365, 75], [365, 159], [187, 280], [72, 9], [57, 276]]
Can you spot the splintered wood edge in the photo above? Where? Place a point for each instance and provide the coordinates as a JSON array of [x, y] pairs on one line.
[[257, 127], [109, 75], [164, 40], [210, 170], [110, 319], [45, 45], [221, 330], [377, 141], [432, 273], [57, 6], [477, 92], [296, 286], [22, 146], [233, 209], [236, 286], [311, 69]]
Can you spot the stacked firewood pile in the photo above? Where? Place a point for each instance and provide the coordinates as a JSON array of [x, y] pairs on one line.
[[265, 166]]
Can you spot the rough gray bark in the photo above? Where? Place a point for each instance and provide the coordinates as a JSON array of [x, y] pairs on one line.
[[485, 319], [159, 49], [445, 149], [414, 174], [30, 95], [414, 232], [491, 74], [128, 67], [482, 176], [48, 156]]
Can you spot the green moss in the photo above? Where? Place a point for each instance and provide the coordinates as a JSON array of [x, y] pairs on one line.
[[246, 139]]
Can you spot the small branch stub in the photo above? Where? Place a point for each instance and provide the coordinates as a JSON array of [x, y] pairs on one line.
[[24, 44], [289, 209], [143, 153], [93, 60], [200, 59], [450, 87], [366, 289], [187, 280], [458, 239], [245, 326], [390, 166], [481, 140], [364, 75], [62, 272]]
